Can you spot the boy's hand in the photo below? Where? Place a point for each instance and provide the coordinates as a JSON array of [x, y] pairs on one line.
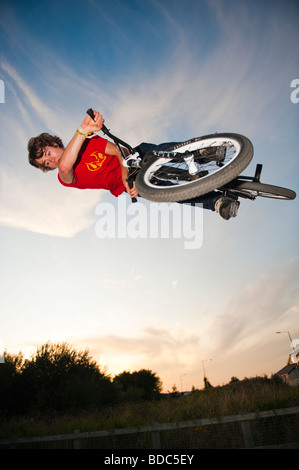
[[125, 175], [93, 125], [133, 191]]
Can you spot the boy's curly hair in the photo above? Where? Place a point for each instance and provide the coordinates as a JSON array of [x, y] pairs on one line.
[[36, 147]]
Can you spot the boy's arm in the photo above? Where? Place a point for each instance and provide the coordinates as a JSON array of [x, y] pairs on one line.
[[111, 149], [71, 152]]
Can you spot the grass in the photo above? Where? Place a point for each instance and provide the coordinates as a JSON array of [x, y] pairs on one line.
[[249, 395]]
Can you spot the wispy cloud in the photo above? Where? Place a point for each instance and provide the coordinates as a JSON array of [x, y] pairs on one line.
[[30, 97], [35, 206], [197, 91], [261, 307], [157, 348], [241, 332]]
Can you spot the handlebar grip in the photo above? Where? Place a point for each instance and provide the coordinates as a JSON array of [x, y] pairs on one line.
[[91, 114], [130, 183]]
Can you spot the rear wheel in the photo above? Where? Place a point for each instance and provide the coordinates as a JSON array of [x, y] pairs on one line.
[[254, 188], [194, 168]]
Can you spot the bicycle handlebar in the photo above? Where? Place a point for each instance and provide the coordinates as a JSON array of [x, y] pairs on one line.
[[118, 142], [91, 114], [107, 132]]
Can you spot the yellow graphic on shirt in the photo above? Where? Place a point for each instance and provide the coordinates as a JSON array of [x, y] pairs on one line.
[[97, 163]]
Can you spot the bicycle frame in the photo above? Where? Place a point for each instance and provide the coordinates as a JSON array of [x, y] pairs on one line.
[[256, 178]]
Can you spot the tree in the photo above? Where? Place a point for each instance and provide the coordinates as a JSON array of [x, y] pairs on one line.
[[61, 378], [207, 384], [174, 391], [138, 385], [10, 378], [234, 380]]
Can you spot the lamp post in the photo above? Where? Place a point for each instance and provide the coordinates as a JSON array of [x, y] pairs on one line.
[[278, 332]]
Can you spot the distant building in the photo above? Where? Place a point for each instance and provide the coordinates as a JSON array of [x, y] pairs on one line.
[[290, 373]]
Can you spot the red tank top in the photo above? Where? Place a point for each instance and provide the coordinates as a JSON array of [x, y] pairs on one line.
[[94, 169]]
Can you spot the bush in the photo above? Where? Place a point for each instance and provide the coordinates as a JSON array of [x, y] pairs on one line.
[[138, 385]]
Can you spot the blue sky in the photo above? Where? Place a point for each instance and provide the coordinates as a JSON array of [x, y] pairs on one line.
[[157, 71]]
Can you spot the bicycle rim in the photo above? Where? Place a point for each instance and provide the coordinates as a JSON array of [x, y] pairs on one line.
[[216, 159]]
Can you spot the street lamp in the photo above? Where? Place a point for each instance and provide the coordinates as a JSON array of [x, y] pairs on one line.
[[278, 332]]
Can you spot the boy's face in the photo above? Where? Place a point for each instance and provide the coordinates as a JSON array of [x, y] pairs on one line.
[[51, 157]]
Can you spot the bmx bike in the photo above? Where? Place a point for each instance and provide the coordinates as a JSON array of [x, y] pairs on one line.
[[196, 167]]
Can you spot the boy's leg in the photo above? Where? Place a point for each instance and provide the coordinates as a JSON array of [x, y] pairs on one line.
[[208, 201], [226, 206], [146, 147]]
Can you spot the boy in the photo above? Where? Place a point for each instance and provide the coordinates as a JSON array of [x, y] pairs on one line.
[[96, 163]]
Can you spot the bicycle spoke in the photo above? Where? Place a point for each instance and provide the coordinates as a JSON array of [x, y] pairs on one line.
[[207, 160]]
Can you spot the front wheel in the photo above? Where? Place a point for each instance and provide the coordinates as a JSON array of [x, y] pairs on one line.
[[194, 168]]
